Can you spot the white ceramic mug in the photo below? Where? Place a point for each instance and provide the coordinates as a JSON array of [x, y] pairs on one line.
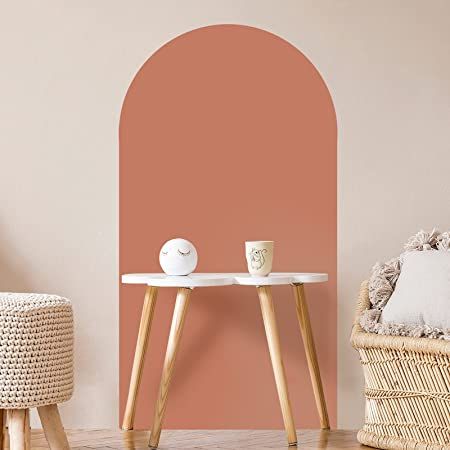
[[259, 256]]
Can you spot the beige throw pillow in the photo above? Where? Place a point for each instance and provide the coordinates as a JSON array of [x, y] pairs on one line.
[[422, 293]]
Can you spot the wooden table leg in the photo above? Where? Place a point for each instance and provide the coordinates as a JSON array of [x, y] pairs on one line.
[[176, 330], [311, 356], [139, 356], [273, 340]]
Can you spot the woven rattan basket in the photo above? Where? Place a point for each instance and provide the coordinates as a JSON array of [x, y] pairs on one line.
[[407, 388]]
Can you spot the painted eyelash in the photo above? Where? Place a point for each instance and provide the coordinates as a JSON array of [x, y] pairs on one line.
[[184, 254], [164, 253]]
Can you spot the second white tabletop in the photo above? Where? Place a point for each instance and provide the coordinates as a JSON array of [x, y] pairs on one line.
[[222, 279]]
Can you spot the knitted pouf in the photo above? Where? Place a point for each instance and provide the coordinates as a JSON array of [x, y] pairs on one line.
[[36, 365], [36, 350]]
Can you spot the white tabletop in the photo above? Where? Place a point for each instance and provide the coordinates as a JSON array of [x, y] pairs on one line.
[[280, 278], [192, 280], [222, 279]]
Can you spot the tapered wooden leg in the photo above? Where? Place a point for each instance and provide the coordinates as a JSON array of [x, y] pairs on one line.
[[273, 340], [3, 431], [53, 427], [176, 330], [311, 356], [19, 429], [139, 356]]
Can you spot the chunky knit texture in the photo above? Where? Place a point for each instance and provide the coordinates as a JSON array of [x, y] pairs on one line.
[[36, 350]]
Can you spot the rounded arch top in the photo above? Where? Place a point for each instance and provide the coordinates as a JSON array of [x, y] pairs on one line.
[[237, 29]]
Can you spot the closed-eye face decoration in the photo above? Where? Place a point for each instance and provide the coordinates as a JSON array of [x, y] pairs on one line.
[[257, 258], [178, 257]]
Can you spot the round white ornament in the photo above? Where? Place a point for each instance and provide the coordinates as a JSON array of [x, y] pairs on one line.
[[178, 257]]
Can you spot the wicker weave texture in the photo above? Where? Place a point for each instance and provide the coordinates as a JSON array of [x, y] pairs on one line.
[[407, 388], [36, 350]]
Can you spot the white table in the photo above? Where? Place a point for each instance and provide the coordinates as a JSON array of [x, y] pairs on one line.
[[185, 285]]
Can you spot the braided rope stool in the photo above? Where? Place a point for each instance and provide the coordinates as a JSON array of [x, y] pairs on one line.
[[36, 365]]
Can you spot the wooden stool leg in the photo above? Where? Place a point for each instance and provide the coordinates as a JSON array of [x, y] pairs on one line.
[[273, 340], [311, 356], [19, 429], [3, 431], [139, 356], [53, 427], [176, 330]]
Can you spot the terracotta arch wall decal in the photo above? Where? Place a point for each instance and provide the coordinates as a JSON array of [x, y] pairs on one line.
[[228, 133]]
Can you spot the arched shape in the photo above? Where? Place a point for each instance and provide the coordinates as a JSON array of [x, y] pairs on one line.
[[227, 134]]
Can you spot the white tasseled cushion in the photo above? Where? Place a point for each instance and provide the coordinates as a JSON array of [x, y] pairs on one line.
[[422, 294], [36, 350]]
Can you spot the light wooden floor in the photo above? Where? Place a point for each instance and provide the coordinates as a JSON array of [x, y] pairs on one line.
[[203, 439]]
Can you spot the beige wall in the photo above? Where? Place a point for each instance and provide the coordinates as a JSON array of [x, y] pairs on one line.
[[394, 149], [65, 68]]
